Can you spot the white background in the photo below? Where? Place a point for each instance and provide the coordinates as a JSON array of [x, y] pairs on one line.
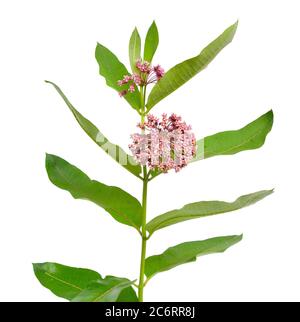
[[55, 40]]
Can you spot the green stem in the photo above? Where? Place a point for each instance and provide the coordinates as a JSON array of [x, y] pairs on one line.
[[144, 237], [144, 208]]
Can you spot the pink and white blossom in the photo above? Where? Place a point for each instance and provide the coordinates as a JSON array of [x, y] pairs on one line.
[[147, 74], [165, 144]]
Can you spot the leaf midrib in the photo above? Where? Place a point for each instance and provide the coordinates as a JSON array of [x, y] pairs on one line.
[[62, 281], [107, 291]]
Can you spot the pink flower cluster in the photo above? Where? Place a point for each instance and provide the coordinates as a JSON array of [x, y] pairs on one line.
[[165, 144], [147, 74]]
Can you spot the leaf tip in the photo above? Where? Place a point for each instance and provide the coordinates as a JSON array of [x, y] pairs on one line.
[[49, 160], [271, 113], [36, 267], [98, 47], [48, 155]]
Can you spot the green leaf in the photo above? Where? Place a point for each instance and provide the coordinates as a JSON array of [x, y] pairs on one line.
[[187, 252], [203, 209], [69, 282], [181, 73], [151, 42], [105, 290], [128, 295], [113, 150], [121, 205], [251, 136], [134, 49], [64, 281], [113, 70]]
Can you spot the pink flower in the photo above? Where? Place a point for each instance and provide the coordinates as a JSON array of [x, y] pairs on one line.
[[123, 93], [137, 79], [166, 143], [159, 71], [147, 74], [143, 67], [131, 88]]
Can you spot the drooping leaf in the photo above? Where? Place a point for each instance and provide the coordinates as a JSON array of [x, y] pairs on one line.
[[203, 209], [121, 205], [113, 70], [151, 42], [251, 136], [69, 282], [187, 252], [113, 150], [105, 290], [184, 71], [134, 49]]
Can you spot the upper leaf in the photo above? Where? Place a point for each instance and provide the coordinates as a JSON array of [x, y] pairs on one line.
[[115, 151], [71, 282], [151, 42], [105, 290], [251, 136], [134, 49], [181, 73], [121, 205], [113, 70], [204, 209], [187, 252]]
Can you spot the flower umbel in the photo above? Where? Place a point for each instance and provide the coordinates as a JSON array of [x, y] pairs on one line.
[[147, 74], [165, 144]]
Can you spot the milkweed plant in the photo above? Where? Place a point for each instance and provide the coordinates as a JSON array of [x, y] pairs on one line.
[[162, 143]]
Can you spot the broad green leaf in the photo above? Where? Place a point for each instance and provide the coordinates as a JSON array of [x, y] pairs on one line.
[[115, 151], [64, 281], [203, 209], [134, 49], [105, 290], [184, 71], [69, 282], [187, 252], [151, 42], [251, 136], [113, 70], [121, 205]]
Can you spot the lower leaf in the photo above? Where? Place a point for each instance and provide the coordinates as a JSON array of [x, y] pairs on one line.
[[78, 284], [104, 290]]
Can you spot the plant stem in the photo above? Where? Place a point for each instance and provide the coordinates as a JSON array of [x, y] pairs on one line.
[[144, 237], [144, 208]]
